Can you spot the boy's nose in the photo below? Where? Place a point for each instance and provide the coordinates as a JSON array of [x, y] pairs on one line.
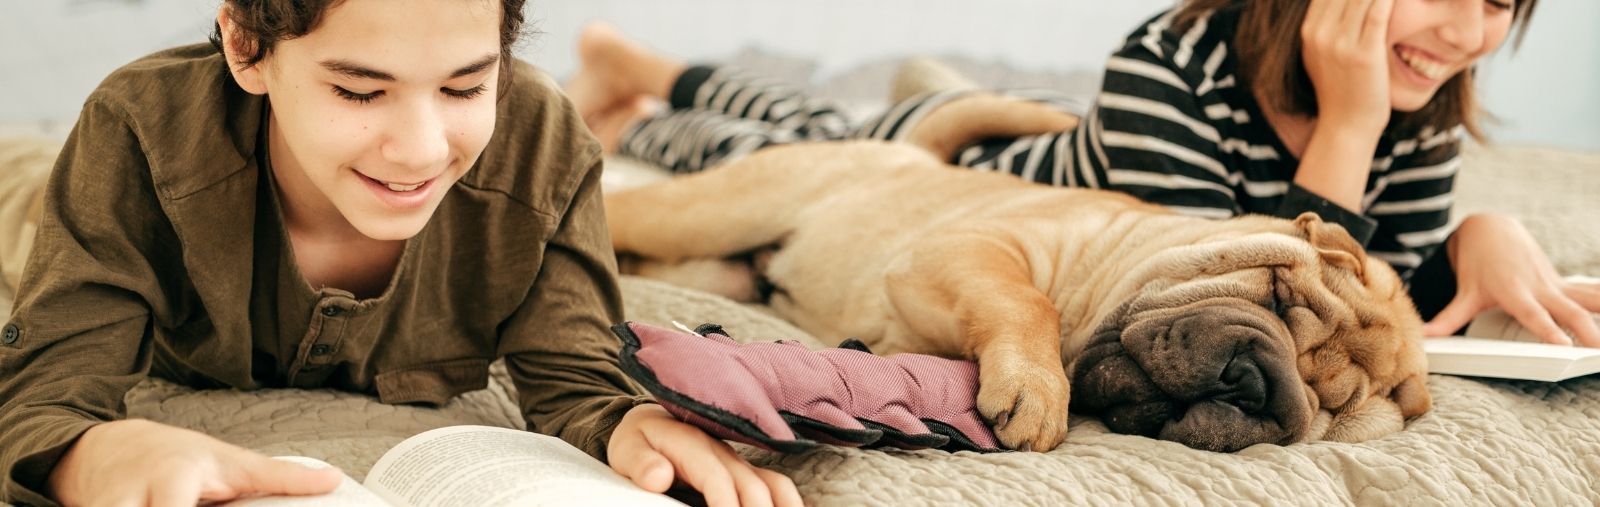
[[417, 140]]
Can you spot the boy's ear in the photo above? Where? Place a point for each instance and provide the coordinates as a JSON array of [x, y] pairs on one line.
[[235, 48]]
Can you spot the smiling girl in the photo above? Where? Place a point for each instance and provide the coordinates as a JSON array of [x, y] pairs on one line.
[[1353, 109], [324, 198]]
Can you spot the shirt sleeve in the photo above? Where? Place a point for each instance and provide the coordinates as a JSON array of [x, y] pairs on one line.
[[1147, 135], [558, 346], [1414, 200], [82, 319]]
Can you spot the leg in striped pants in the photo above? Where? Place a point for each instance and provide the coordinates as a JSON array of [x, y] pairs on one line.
[[720, 114]]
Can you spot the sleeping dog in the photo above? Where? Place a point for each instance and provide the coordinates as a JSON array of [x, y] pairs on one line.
[[1218, 334]]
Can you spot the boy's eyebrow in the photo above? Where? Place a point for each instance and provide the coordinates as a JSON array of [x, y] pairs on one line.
[[359, 71], [476, 67], [355, 70]]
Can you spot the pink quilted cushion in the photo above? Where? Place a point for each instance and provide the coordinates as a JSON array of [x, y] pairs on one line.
[[784, 397]]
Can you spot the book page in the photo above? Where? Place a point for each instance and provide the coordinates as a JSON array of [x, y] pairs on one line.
[[349, 493], [471, 466]]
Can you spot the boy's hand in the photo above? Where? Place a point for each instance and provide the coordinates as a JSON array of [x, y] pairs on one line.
[[653, 449], [137, 462]]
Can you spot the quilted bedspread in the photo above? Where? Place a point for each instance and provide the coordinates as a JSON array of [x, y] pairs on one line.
[[1485, 442]]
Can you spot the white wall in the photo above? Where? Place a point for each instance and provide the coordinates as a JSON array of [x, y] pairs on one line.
[[53, 52], [1038, 34], [1548, 90]]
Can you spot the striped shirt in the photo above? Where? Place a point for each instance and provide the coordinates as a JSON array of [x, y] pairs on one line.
[[1173, 126]]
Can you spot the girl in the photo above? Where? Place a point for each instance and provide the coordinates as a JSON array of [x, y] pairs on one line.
[[323, 198], [1354, 109]]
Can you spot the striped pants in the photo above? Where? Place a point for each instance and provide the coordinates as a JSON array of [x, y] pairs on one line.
[[721, 114]]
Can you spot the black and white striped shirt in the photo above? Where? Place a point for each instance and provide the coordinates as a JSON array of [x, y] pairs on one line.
[[1172, 125]]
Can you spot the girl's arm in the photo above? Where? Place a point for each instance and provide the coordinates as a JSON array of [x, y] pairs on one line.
[[1153, 133], [1345, 50]]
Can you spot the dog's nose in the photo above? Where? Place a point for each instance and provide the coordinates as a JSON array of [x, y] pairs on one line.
[[1214, 375]]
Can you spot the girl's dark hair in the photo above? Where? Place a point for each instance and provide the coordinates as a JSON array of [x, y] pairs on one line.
[[1267, 43], [265, 22]]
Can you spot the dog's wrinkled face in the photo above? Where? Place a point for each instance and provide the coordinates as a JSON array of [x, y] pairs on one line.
[[1261, 339]]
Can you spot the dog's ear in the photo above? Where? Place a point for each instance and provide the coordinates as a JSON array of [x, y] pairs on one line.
[[1333, 243]]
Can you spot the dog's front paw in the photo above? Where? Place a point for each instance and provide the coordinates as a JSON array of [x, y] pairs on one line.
[[1024, 400]]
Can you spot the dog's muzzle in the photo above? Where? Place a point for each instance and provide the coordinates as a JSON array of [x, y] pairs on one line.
[[1216, 375]]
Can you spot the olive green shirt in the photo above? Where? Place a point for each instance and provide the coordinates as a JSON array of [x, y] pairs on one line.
[[162, 252]]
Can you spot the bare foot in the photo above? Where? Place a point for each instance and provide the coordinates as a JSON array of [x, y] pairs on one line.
[[918, 75], [608, 125], [613, 70]]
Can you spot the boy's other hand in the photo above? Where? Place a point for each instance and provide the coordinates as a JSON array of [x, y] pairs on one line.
[[137, 462], [653, 449]]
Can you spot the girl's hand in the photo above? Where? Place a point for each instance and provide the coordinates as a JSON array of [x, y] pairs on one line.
[[1344, 45], [653, 449], [1497, 263]]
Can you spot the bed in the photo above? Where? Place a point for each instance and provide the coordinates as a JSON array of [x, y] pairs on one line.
[[1485, 442]]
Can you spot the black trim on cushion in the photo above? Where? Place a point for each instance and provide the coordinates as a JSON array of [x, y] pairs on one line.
[[629, 360]]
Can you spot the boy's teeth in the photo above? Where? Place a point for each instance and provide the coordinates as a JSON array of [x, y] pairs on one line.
[[1424, 65], [403, 188]]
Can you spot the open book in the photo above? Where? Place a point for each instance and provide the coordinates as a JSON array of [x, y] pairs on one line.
[[477, 466], [1497, 346]]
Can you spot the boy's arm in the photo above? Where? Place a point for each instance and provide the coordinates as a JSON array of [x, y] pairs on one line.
[[81, 325], [558, 346]]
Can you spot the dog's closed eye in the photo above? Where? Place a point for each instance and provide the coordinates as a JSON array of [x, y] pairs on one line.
[[1278, 304]]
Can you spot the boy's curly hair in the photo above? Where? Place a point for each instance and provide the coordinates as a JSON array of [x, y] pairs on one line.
[[265, 22]]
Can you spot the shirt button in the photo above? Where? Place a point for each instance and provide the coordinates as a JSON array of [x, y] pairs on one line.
[[320, 350], [330, 311], [11, 334]]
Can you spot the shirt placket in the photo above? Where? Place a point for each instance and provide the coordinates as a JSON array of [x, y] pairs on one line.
[[331, 323]]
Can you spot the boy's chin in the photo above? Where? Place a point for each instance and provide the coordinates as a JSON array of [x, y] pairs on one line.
[[390, 229]]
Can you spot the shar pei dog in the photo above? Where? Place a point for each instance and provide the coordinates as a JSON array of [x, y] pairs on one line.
[[1218, 334]]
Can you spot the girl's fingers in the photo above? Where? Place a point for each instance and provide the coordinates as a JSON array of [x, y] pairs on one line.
[[1375, 27], [1354, 16], [1574, 317], [1586, 295], [1317, 15], [1454, 316], [1533, 316]]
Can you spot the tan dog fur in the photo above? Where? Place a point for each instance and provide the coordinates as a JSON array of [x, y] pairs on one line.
[[888, 244]]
